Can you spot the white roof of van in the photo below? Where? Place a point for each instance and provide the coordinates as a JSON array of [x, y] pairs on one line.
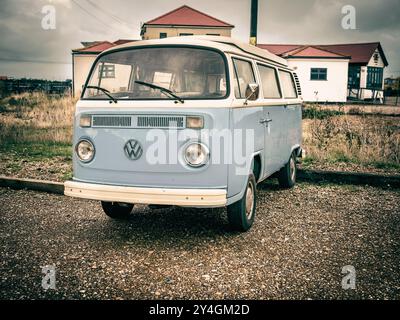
[[225, 44]]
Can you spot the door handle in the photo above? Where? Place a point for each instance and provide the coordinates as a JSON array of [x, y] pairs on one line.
[[262, 121]]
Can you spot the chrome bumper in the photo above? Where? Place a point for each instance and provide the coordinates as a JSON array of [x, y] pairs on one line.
[[179, 197]]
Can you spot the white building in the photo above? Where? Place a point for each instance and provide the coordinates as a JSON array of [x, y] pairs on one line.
[[322, 74], [336, 73], [82, 61]]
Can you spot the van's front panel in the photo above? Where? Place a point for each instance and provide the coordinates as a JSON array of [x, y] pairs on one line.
[[162, 136]]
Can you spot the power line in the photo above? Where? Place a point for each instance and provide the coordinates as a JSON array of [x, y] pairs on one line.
[[94, 16], [109, 14], [90, 14]]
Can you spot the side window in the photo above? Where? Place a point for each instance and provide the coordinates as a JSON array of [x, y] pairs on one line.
[[288, 86], [269, 79], [244, 75]]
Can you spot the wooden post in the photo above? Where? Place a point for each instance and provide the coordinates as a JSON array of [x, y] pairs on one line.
[[253, 22]]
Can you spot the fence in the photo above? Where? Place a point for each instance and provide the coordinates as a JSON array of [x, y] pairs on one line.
[[373, 96]]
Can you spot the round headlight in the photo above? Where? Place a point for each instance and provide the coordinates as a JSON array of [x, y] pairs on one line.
[[196, 154], [85, 150]]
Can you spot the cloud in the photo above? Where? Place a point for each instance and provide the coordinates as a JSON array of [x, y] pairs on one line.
[[319, 22], [280, 21]]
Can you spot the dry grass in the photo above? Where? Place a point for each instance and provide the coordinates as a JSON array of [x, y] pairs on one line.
[[36, 117], [359, 139]]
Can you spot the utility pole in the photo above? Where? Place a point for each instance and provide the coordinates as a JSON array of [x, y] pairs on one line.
[[253, 22]]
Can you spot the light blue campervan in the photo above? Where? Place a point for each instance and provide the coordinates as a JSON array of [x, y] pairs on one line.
[[178, 94]]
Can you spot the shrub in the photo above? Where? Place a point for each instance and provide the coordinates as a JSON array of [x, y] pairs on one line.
[[361, 139], [317, 112]]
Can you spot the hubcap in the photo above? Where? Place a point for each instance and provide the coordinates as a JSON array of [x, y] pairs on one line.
[[249, 200], [292, 169]]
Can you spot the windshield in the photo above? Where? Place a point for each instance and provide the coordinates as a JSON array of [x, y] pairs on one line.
[[189, 73]]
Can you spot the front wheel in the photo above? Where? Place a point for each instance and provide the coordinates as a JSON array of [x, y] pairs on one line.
[[287, 175], [116, 210], [241, 214]]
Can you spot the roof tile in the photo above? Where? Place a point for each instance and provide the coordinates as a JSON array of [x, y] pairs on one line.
[[358, 52], [187, 16], [95, 48]]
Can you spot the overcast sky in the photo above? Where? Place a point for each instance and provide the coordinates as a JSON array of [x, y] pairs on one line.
[[27, 50]]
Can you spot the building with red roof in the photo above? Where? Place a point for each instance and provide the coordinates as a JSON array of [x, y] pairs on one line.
[[184, 21], [336, 72]]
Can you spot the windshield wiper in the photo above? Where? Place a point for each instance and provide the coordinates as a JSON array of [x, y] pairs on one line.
[[105, 91], [162, 89]]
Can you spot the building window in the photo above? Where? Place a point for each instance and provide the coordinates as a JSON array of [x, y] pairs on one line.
[[354, 77], [376, 57], [107, 71], [374, 78], [163, 35], [185, 34], [319, 73]]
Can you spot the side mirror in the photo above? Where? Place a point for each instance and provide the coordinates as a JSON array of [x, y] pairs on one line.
[[252, 92]]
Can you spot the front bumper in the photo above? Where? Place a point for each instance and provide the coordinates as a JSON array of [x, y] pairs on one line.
[[179, 197]]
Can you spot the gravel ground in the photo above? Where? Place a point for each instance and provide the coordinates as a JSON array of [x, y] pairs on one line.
[[300, 242]]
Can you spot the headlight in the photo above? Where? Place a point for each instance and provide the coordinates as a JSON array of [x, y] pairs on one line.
[[196, 154], [85, 150]]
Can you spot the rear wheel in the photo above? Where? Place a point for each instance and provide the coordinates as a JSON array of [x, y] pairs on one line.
[[287, 175], [116, 210], [241, 214]]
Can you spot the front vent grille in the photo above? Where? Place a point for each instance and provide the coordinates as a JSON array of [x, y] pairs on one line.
[[112, 121], [160, 122], [296, 79], [138, 121]]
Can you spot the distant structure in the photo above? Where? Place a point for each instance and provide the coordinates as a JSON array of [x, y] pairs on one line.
[[10, 86], [83, 58], [184, 21], [392, 84], [337, 72]]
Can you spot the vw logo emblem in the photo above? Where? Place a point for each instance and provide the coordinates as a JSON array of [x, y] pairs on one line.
[[133, 149]]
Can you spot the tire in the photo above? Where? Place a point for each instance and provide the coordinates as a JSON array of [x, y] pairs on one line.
[[241, 214], [117, 210], [287, 175]]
